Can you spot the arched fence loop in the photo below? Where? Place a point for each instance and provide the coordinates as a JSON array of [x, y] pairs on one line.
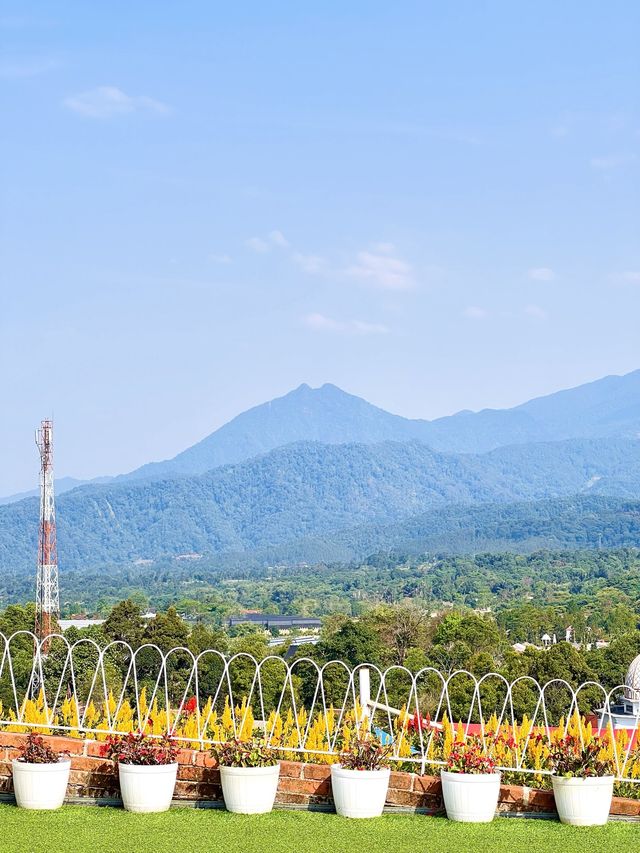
[[303, 709]]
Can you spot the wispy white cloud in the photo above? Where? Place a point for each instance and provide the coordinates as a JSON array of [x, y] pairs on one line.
[[542, 274], [609, 162], [381, 270], [262, 244], [15, 68], [378, 267], [385, 248], [257, 244], [536, 312], [312, 264], [109, 101], [220, 259], [475, 312], [631, 276], [278, 239], [322, 323]]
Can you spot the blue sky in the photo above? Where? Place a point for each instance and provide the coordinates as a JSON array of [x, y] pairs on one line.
[[433, 205]]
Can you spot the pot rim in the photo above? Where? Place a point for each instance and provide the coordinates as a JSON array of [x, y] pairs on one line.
[[262, 769], [589, 780], [43, 766], [450, 774], [379, 770], [148, 768]]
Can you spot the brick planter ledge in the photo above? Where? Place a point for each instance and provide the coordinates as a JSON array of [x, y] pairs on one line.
[[94, 780]]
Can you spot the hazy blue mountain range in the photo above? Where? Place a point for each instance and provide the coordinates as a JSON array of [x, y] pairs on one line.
[[64, 484], [309, 489], [609, 407]]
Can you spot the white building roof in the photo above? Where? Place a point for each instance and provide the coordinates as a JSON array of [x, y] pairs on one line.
[[78, 623]]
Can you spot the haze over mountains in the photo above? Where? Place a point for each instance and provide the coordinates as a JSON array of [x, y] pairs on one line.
[[607, 407], [321, 474]]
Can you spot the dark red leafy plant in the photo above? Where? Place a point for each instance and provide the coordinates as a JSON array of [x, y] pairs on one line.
[[570, 757], [244, 753], [470, 756], [35, 751], [140, 748], [366, 754]]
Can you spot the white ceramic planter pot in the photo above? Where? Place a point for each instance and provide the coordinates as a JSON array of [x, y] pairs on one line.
[[359, 793], [470, 797], [147, 788], [583, 802], [249, 790], [40, 786]]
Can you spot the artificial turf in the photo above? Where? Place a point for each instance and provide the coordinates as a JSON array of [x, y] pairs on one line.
[[92, 829]]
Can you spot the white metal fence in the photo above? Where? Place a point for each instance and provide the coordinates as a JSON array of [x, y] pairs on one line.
[[184, 685]]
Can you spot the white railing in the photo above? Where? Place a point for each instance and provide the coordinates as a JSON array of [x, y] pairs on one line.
[[184, 685]]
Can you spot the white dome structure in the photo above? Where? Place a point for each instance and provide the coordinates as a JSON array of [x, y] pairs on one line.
[[625, 713], [632, 682]]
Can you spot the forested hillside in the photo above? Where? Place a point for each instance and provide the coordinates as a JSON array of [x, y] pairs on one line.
[[304, 491], [600, 588]]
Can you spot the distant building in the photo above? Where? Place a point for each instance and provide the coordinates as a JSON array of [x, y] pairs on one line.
[[65, 624], [270, 620], [626, 713]]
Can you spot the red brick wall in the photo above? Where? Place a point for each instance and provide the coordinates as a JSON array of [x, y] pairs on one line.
[[301, 785]]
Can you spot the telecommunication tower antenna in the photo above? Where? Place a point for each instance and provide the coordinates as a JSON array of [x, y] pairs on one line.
[[47, 596]]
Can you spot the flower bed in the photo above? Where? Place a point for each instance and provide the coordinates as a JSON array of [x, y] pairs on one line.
[[93, 779]]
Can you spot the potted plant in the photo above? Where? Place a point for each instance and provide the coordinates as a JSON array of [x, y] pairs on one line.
[[147, 769], [40, 775], [249, 773], [470, 783], [582, 781], [361, 779]]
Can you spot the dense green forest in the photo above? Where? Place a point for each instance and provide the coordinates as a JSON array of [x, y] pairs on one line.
[[597, 592], [385, 635], [311, 501]]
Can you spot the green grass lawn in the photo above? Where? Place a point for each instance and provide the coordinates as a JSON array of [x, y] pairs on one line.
[[91, 829]]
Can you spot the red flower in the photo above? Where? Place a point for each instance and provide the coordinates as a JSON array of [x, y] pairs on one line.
[[191, 705], [418, 723]]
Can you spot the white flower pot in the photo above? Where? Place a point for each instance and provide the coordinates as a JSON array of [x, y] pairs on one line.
[[249, 790], [40, 786], [470, 797], [147, 788], [583, 802], [359, 793]]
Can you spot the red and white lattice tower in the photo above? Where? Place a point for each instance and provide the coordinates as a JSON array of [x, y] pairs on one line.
[[47, 597]]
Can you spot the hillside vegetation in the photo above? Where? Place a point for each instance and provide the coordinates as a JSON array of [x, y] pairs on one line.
[[306, 490]]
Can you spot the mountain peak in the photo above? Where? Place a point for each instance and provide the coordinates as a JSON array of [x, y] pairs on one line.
[[325, 388], [609, 407]]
